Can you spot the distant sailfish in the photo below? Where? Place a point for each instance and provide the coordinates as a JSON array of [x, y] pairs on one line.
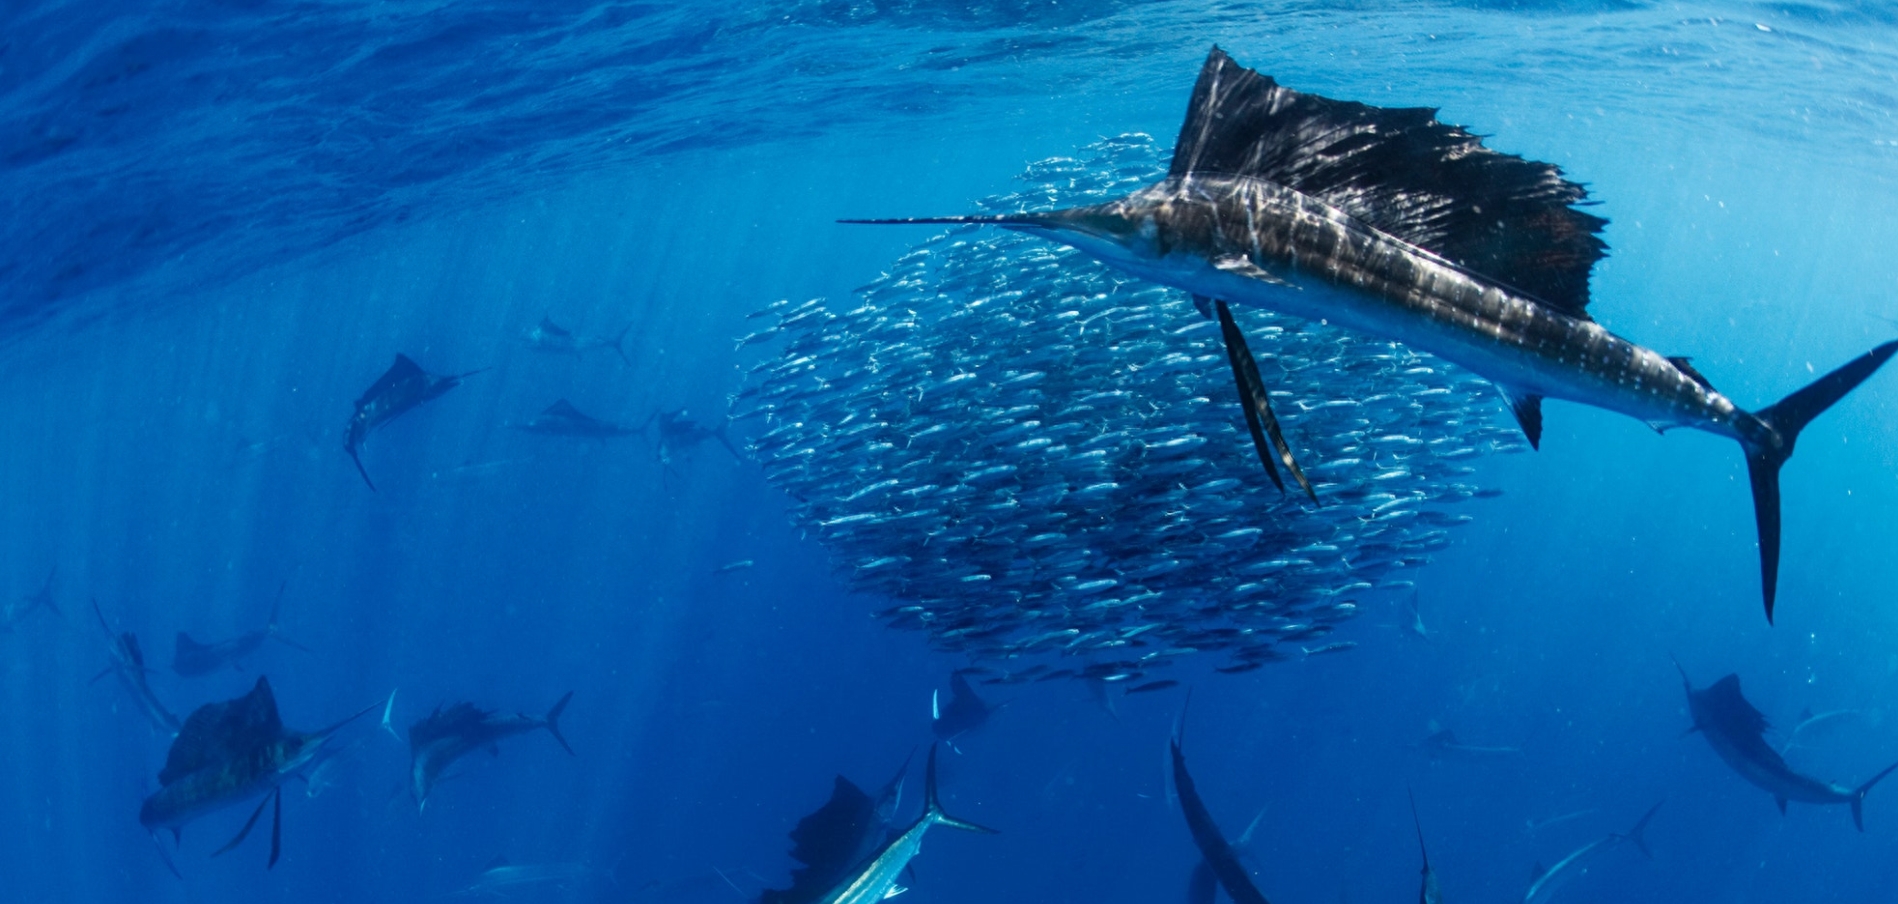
[[964, 713], [1737, 733], [191, 658], [128, 663], [562, 419], [12, 614], [452, 733], [1548, 882], [1390, 223], [548, 336], [401, 389], [227, 753]]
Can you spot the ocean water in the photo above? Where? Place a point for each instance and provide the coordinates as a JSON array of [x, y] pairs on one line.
[[224, 220]]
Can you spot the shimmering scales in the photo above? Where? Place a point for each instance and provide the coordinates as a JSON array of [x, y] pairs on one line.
[[1030, 456]]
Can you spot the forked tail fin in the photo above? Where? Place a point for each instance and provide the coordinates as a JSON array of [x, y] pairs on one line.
[[1764, 456], [553, 722], [1638, 834], [932, 807], [1858, 797], [619, 345]]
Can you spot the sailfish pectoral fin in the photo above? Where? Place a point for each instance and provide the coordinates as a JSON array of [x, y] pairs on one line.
[[1258, 406], [1527, 407], [245, 831]]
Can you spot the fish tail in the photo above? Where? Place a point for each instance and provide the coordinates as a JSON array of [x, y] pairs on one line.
[[361, 470], [1858, 797], [1638, 834], [932, 807], [553, 722], [1773, 445], [619, 345]]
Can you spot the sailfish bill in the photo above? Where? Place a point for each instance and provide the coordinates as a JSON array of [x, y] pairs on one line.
[[1387, 222], [1257, 405]]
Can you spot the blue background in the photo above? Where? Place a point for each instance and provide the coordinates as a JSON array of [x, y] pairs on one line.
[[224, 219]]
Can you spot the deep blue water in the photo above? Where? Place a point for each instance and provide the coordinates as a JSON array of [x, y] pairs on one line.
[[224, 220]]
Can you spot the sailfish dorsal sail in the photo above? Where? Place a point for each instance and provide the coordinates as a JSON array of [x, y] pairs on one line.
[[1402, 172]]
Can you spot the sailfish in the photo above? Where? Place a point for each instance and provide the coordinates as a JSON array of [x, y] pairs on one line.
[[227, 753], [400, 389], [1390, 223]]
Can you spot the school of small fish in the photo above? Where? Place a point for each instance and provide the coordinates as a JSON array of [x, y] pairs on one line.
[[1034, 457]]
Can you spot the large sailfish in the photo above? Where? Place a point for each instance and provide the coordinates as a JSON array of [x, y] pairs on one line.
[[230, 752], [1391, 223]]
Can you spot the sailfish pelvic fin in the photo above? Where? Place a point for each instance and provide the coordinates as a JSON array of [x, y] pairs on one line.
[[1258, 406]]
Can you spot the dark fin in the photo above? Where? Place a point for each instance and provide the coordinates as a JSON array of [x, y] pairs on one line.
[[1257, 406], [1781, 803], [102, 673], [553, 722], [245, 831], [219, 732], [548, 326], [1764, 456], [1202, 886], [1527, 407], [402, 370], [827, 842], [1638, 834], [932, 806], [276, 828], [565, 409], [827, 837], [1415, 821], [1737, 715], [165, 856], [619, 345], [360, 469], [1858, 797], [1204, 306], [1685, 365], [183, 645], [1402, 172]]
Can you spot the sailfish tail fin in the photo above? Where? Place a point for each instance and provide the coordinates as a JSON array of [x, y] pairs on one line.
[[553, 722], [1765, 454], [619, 345], [1638, 834], [932, 807], [360, 469], [1858, 797]]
